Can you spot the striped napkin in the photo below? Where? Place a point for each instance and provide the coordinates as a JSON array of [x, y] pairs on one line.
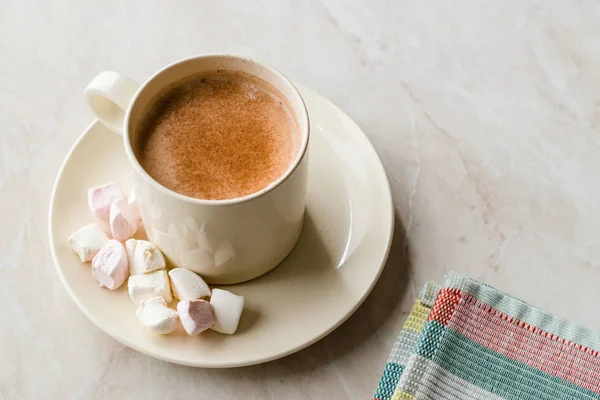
[[467, 340]]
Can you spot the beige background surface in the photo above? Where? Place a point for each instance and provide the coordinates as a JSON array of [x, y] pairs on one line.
[[486, 115]]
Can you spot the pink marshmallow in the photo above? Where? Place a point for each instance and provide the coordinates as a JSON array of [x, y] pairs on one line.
[[109, 266], [100, 198], [195, 315], [124, 220]]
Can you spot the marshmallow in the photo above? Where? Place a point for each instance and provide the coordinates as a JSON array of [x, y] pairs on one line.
[[100, 198], [146, 258], [196, 316], [124, 220], [105, 226], [156, 316], [146, 286], [87, 241], [227, 309], [187, 285], [109, 266]]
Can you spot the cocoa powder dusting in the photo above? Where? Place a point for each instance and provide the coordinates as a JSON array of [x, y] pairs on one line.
[[218, 136]]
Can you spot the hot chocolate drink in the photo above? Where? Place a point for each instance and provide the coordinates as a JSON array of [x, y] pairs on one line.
[[217, 136]]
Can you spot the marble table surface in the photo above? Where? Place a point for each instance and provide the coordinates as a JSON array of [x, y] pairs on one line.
[[486, 115]]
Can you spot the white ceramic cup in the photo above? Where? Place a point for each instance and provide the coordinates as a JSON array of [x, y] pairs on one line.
[[225, 241]]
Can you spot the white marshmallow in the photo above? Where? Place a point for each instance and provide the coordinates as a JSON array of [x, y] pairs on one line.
[[123, 220], [100, 198], [87, 241], [109, 266], [196, 316], [227, 309], [187, 285], [146, 286], [146, 258], [156, 316]]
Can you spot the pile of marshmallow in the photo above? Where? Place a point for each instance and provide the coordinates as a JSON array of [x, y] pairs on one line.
[[149, 285]]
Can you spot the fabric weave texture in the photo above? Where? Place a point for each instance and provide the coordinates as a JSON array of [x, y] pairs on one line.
[[467, 340]]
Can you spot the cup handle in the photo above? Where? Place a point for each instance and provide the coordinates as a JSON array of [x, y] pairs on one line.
[[108, 96]]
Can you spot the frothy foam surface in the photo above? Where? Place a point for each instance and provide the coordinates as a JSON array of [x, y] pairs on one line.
[[218, 136]]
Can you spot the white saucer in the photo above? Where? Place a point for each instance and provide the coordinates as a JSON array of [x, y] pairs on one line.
[[340, 254]]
